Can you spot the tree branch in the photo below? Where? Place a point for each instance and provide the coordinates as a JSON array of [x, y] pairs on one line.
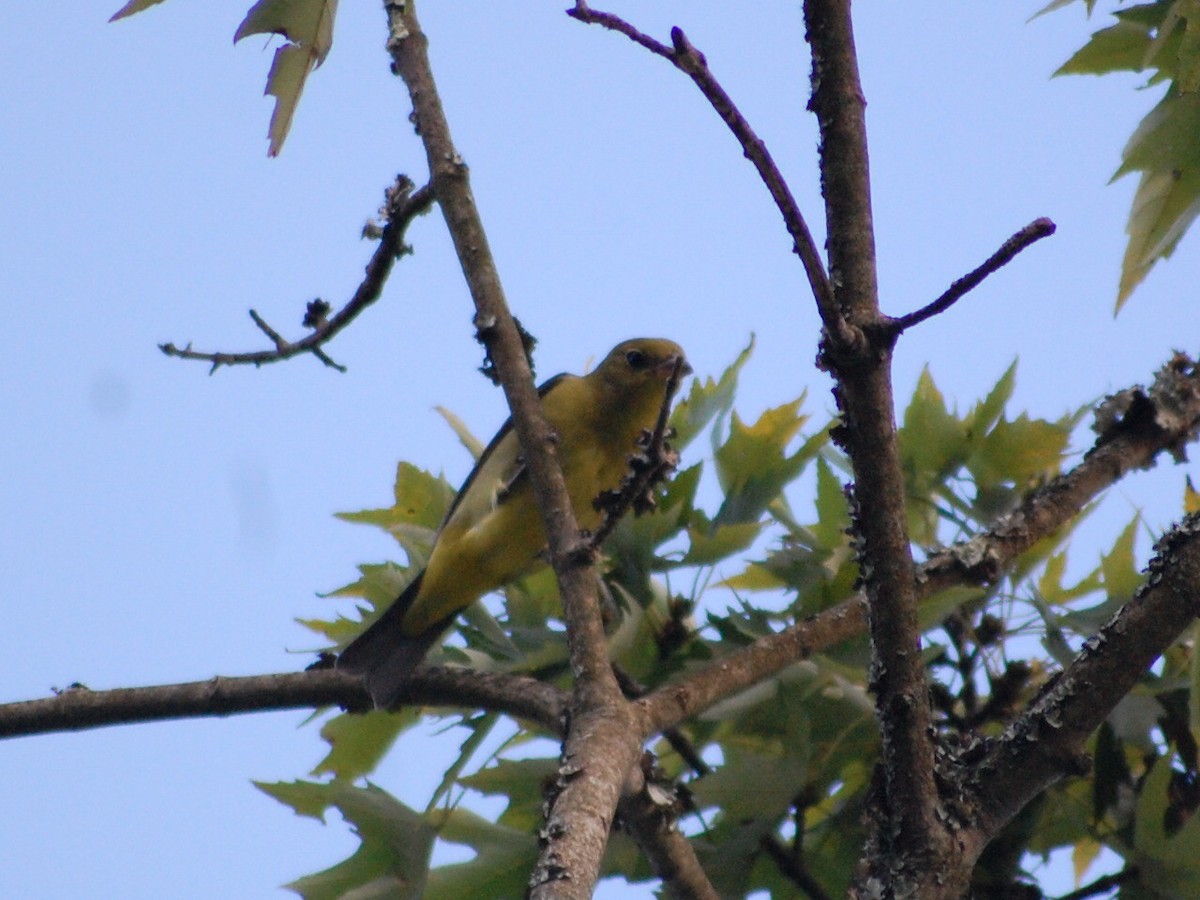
[[79, 708], [400, 208], [1027, 236], [1144, 423], [1048, 740], [909, 826], [601, 747], [650, 815], [685, 57]]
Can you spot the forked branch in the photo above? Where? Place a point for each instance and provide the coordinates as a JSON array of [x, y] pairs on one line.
[[401, 206]]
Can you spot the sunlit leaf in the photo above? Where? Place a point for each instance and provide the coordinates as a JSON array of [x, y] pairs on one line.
[[308, 27], [1191, 497], [358, 741], [753, 465], [707, 400]]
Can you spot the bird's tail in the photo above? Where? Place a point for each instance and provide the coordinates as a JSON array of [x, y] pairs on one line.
[[384, 655]]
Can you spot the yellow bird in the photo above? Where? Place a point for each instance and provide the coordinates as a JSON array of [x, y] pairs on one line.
[[493, 532]]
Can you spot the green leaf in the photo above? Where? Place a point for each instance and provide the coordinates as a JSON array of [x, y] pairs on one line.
[[357, 742], [1188, 76], [1166, 862], [1191, 497], [480, 727], [1164, 206], [932, 440], [707, 400], [308, 27], [1121, 47], [421, 501], [1121, 574], [393, 857], [987, 412], [523, 782], [1059, 4], [1016, 452], [133, 6], [752, 464], [1167, 201], [833, 511], [711, 545], [504, 858], [306, 798]]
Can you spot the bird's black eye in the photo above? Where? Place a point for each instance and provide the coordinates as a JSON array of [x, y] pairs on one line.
[[637, 360]]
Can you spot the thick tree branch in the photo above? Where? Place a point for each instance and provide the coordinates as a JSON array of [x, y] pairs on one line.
[[602, 742], [79, 708], [400, 208], [910, 824], [685, 57], [1048, 741]]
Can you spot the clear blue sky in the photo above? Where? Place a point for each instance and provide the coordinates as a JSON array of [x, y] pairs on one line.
[[158, 525]]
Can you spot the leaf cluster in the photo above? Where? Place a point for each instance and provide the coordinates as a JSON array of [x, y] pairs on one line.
[[783, 770], [1161, 40]]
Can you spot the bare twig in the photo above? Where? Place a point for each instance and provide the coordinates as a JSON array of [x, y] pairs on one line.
[[1030, 234], [402, 206], [685, 57], [792, 868], [77, 708]]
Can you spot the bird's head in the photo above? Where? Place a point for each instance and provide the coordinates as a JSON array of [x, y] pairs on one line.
[[642, 364]]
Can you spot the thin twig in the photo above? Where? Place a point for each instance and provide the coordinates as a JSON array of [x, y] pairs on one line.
[[1030, 234], [400, 210], [685, 57], [792, 868]]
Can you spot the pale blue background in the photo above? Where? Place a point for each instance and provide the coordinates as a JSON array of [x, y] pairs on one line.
[[159, 525]]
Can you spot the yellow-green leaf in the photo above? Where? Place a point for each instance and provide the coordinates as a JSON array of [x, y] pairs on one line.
[[308, 27], [357, 742], [1120, 47], [706, 400], [1191, 497]]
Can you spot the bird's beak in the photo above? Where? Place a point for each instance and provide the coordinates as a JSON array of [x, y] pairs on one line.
[[667, 367]]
